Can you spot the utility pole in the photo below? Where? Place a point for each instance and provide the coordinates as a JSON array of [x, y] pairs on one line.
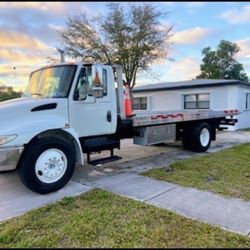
[[61, 51]]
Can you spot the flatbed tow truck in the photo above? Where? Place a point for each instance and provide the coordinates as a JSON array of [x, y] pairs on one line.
[[73, 108]]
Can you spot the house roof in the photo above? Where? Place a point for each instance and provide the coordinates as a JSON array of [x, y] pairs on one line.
[[199, 83]]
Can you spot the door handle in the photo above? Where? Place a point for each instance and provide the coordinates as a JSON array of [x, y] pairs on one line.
[[109, 116]]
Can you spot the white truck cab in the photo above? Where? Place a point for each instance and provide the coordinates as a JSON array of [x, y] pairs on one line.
[[70, 109]]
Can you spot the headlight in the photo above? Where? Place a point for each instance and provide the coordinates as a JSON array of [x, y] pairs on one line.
[[6, 138]]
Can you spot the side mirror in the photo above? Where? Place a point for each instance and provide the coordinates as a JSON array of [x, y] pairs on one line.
[[97, 91], [76, 96], [97, 87]]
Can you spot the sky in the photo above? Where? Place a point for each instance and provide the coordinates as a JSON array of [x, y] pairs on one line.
[[29, 34]]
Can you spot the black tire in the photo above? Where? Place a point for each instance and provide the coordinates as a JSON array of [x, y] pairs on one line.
[[191, 137], [26, 168]]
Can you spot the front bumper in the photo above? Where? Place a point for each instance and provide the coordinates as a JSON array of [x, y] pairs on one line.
[[9, 158]]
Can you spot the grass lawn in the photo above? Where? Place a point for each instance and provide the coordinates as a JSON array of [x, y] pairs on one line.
[[226, 172], [101, 219]]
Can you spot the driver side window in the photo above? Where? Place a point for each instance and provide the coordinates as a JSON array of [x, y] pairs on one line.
[[82, 87]]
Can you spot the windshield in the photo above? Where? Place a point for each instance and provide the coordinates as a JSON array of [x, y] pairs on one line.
[[52, 82]]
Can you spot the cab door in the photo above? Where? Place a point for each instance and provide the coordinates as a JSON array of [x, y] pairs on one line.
[[91, 114]]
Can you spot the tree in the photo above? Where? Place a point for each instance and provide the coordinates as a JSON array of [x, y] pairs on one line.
[[133, 37], [221, 63], [7, 93]]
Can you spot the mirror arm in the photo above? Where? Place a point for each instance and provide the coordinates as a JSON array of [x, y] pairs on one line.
[[94, 99]]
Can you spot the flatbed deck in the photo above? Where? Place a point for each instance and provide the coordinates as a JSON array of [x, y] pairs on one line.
[[146, 118]]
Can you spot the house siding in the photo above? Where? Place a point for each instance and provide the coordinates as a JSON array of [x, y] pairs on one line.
[[221, 98]]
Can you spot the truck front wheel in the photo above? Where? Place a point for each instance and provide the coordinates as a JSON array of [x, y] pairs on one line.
[[197, 138], [47, 165]]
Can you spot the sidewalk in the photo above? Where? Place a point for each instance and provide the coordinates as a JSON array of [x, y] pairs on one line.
[[123, 177], [228, 213], [16, 199]]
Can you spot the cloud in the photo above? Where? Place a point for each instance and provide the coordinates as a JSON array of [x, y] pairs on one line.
[[28, 34], [53, 8], [42, 6], [237, 16], [21, 57], [13, 39], [168, 3], [184, 69], [17, 46], [188, 7], [31, 24], [38, 23], [23, 52], [22, 70], [17, 72], [190, 36], [188, 4], [244, 45], [193, 7], [56, 27], [16, 77], [243, 56], [196, 4]]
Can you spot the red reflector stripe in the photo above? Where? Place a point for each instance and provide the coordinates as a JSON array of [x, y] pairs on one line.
[[234, 111], [167, 116]]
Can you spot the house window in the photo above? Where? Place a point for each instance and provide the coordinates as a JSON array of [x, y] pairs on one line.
[[247, 101], [140, 103], [197, 101]]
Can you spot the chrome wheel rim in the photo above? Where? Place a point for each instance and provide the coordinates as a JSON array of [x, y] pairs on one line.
[[204, 137]]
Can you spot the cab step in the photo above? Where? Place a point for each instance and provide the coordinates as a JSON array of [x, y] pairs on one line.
[[104, 160], [98, 144]]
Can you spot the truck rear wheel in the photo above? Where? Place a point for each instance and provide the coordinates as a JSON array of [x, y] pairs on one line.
[[47, 165], [197, 138]]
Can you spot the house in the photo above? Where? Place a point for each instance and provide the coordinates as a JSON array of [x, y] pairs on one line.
[[196, 94]]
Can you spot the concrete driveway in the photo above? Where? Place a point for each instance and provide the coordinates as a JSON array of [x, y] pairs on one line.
[[15, 199]]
